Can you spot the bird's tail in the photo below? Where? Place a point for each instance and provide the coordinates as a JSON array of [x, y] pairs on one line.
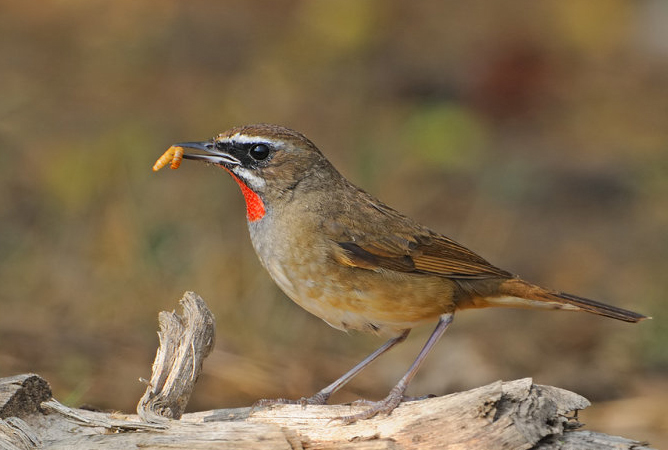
[[540, 297]]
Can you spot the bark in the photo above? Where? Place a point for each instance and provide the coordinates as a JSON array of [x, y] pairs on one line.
[[502, 415]]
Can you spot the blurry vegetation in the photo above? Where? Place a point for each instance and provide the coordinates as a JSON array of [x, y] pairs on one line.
[[534, 133], [447, 135]]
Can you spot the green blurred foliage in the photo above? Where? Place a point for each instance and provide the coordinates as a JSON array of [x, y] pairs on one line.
[[533, 132], [446, 135]]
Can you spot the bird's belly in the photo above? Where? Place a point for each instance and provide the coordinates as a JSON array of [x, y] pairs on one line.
[[358, 299], [348, 298]]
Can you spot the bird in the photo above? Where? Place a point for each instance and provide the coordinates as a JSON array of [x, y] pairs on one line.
[[351, 260]]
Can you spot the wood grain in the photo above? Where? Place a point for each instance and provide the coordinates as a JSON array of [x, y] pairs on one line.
[[502, 415]]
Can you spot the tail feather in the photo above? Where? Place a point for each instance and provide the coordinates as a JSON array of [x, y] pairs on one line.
[[521, 289]]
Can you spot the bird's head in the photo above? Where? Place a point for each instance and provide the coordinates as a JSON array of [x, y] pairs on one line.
[[267, 161]]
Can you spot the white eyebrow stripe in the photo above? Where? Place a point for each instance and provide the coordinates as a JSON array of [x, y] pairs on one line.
[[246, 139]]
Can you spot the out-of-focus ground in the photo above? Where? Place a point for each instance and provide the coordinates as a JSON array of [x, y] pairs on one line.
[[536, 133]]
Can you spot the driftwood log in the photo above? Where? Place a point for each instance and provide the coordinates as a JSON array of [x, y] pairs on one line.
[[503, 415]]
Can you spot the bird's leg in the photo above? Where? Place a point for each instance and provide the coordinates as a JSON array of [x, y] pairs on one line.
[[322, 396], [390, 402]]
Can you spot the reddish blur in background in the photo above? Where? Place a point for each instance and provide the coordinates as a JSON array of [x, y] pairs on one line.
[[535, 133]]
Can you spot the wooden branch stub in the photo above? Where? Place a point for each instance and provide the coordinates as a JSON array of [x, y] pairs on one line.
[[184, 343], [21, 395]]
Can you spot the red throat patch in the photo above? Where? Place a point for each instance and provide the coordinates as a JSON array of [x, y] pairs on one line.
[[254, 204]]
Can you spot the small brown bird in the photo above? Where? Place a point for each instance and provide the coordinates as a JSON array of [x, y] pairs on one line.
[[353, 261]]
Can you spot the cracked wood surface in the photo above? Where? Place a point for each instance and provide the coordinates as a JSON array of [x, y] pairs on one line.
[[502, 415]]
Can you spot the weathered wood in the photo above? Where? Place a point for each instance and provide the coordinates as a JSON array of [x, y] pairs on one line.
[[22, 394], [184, 343], [589, 440], [502, 415], [511, 415], [15, 434]]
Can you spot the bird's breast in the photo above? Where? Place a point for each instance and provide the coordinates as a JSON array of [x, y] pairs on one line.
[[299, 260]]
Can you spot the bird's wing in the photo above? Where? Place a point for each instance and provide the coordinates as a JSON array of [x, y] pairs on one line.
[[408, 247], [427, 254]]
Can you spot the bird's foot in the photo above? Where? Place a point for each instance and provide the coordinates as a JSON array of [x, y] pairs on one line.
[[414, 399], [385, 406], [318, 399], [404, 398]]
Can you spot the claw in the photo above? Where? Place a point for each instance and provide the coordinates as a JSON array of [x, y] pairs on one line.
[[385, 406], [275, 401], [317, 399], [270, 402]]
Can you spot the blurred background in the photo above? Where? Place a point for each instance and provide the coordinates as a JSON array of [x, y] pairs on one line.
[[535, 133]]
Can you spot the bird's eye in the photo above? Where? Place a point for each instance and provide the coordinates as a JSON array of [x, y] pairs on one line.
[[259, 151]]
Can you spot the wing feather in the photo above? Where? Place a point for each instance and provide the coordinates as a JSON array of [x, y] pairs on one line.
[[439, 258], [409, 247]]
